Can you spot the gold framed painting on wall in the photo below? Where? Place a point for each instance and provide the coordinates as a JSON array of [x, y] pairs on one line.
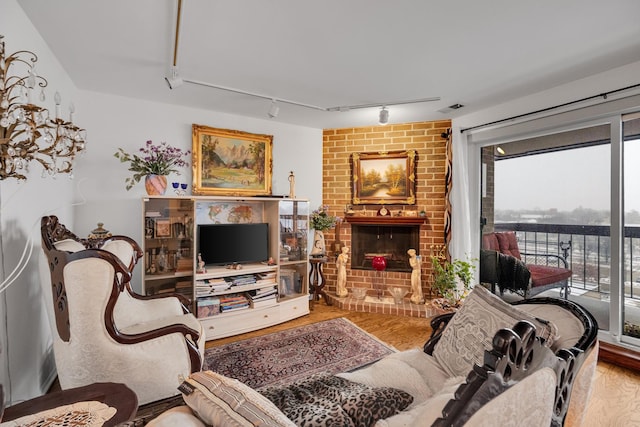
[[231, 162], [385, 177]]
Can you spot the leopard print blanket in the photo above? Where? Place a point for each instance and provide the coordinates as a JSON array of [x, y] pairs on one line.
[[326, 400]]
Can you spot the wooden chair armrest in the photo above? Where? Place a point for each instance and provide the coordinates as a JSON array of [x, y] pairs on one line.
[[115, 395], [184, 301], [438, 324], [191, 337]]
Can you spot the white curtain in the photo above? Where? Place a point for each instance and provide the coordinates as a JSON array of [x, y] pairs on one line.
[[460, 246]]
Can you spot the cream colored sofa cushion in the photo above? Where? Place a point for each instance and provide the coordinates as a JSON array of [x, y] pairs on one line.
[[412, 371], [180, 416]]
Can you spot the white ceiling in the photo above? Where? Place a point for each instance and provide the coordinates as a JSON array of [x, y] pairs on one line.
[[338, 52]]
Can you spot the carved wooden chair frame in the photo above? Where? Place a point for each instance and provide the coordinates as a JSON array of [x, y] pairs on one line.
[[53, 231]]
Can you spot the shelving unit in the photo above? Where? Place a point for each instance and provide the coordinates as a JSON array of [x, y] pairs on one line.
[[229, 299], [168, 246]]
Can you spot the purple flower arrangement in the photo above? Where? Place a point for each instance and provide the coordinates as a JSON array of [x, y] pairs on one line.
[[153, 160]]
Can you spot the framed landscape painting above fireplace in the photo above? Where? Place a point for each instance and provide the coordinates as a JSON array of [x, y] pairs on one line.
[[385, 177]]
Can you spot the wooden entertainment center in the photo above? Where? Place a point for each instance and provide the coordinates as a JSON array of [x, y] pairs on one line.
[[229, 298]]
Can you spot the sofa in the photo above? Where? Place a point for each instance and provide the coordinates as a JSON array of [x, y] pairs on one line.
[[489, 363]]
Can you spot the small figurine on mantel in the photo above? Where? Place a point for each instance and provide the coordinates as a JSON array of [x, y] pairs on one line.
[[292, 185], [341, 264], [416, 286]]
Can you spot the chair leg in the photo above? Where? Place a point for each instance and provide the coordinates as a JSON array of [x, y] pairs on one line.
[[565, 290]]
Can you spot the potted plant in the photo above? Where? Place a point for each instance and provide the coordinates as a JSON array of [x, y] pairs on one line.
[[321, 221], [154, 163], [451, 280]]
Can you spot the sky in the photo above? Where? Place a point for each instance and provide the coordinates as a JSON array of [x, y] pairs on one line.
[[566, 180]]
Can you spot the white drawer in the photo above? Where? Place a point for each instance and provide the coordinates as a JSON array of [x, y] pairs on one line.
[[224, 325], [291, 309]]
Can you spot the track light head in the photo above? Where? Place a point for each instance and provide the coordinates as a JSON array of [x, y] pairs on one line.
[[274, 109], [173, 79], [383, 118]]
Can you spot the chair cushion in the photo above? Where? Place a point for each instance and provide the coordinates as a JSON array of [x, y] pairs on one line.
[[542, 275], [69, 245], [490, 242], [470, 331], [222, 401], [508, 243]]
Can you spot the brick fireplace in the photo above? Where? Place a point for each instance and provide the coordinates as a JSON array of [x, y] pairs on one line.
[[423, 232]]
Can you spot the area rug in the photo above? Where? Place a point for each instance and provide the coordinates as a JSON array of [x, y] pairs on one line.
[[279, 358]]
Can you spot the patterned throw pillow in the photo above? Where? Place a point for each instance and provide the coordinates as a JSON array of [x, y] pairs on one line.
[[222, 401], [470, 331], [326, 400]]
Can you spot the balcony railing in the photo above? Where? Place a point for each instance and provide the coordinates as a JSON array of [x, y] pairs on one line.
[[587, 249]]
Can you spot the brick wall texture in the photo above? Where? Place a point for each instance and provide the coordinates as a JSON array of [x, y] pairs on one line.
[[338, 146]]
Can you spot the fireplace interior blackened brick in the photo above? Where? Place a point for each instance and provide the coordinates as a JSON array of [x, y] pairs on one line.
[[392, 242]]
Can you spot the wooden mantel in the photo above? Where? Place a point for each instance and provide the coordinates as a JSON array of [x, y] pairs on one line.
[[386, 220]]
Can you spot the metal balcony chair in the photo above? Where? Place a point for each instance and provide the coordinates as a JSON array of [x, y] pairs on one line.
[[503, 265]]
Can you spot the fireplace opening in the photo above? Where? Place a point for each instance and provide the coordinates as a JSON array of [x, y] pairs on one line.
[[391, 242]]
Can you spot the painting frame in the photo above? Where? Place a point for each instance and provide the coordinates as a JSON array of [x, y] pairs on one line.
[[229, 162], [162, 227], [368, 167]]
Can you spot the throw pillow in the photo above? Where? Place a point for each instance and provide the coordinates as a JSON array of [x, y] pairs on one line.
[[222, 401], [470, 331], [508, 243], [323, 400]]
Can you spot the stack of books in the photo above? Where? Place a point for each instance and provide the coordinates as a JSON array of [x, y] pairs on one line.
[[210, 286], [208, 307], [245, 279], [263, 297], [233, 302], [184, 264], [269, 277]]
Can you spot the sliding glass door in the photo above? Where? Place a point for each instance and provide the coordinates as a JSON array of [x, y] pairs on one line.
[[553, 191], [631, 241], [576, 194]]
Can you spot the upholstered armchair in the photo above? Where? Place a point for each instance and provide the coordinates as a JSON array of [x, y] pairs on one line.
[[104, 332]]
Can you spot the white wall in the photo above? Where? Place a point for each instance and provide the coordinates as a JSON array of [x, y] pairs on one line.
[[23, 323]]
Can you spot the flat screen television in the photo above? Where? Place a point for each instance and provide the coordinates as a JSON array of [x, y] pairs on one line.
[[222, 244]]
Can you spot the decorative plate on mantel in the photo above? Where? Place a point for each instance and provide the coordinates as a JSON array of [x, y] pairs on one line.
[[383, 211]]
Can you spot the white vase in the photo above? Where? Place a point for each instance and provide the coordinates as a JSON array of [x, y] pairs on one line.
[[318, 249]]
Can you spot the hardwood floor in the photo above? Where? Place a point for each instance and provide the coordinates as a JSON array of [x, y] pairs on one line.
[[403, 333], [615, 398]]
